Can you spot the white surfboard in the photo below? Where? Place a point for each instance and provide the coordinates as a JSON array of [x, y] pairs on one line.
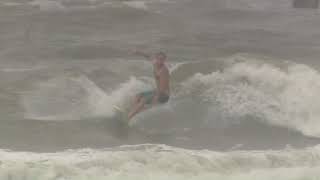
[[120, 114], [122, 122]]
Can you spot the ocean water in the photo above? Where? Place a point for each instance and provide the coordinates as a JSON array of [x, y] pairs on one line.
[[244, 75]]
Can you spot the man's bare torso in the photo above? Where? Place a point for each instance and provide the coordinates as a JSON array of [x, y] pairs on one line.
[[162, 77]]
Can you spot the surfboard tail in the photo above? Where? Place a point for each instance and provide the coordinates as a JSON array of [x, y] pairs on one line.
[[123, 117]]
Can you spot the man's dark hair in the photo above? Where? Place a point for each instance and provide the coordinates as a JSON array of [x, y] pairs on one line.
[[161, 54]]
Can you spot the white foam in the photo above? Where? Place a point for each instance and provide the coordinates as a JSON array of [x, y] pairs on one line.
[[102, 103], [160, 162], [136, 4], [22, 69], [47, 5], [74, 98], [286, 97], [259, 4], [11, 3]]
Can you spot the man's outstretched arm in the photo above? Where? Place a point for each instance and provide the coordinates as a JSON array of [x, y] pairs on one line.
[[143, 54]]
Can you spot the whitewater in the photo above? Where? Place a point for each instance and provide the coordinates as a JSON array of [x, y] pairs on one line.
[[161, 162]]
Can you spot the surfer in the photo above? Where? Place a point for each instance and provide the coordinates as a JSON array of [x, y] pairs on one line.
[[161, 94]]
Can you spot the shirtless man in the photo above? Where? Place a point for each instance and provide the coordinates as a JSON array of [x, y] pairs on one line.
[[161, 94]]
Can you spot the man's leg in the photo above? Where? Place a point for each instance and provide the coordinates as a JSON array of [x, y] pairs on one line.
[[136, 99], [137, 107], [140, 101], [154, 100]]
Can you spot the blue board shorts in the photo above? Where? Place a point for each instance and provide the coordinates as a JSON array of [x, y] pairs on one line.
[[148, 97]]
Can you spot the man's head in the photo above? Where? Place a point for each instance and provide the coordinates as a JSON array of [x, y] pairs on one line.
[[160, 58]]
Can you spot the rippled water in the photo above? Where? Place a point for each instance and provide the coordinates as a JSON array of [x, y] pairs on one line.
[[245, 78]]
